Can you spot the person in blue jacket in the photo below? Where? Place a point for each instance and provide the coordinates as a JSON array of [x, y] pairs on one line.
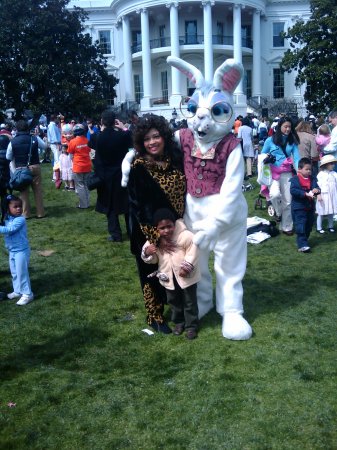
[[283, 147], [303, 188], [16, 241]]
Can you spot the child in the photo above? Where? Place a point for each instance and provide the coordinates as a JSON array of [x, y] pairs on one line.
[[303, 188], [322, 138], [66, 168], [327, 202], [177, 258], [16, 241]]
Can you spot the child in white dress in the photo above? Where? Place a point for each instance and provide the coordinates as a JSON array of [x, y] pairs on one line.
[[66, 167], [326, 204]]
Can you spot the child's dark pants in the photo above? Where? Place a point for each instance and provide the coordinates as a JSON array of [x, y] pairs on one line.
[[303, 222], [184, 305]]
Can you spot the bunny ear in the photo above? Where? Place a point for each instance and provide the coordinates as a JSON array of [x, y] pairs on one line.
[[228, 76], [192, 73]]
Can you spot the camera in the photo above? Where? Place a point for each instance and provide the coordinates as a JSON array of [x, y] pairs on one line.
[[269, 160]]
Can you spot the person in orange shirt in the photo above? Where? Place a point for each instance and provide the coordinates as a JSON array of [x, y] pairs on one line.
[[78, 147], [237, 125]]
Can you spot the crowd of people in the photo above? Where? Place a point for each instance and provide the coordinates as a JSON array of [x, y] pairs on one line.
[[86, 155]]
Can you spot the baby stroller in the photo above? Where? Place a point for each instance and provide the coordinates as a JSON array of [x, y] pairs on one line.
[[263, 202]]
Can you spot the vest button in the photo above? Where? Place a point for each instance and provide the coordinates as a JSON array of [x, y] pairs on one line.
[[203, 163], [200, 176], [198, 191]]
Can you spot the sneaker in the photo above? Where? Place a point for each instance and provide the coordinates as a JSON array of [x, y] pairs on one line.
[[320, 231], [191, 334], [13, 295], [25, 299], [178, 329], [304, 249], [331, 230]]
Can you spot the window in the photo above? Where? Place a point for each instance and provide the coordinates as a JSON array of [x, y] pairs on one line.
[[191, 36], [138, 84], [136, 41], [164, 86], [108, 92], [246, 33], [248, 83], [162, 36], [278, 86], [105, 41], [219, 33], [278, 40]]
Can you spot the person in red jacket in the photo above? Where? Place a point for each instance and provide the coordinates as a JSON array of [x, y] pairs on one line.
[[78, 147]]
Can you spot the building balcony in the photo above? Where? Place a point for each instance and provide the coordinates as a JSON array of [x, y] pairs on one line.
[[190, 40]]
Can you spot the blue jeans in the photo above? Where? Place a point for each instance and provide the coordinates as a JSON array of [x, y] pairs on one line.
[[303, 222], [18, 264]]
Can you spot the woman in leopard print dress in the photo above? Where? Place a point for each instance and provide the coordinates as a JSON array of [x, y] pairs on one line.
[[156, 181]]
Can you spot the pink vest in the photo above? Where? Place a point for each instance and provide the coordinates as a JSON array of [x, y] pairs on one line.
[[205, 173]]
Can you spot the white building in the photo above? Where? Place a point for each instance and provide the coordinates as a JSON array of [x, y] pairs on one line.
[[137, 36]]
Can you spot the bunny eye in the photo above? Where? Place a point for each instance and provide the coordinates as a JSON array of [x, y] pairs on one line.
[[221, 112], [192, 107], [188, 107]]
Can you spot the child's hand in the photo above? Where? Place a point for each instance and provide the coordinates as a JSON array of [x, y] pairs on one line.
[[316, 191], [183, 273], [150, 250], [319, 198], [309, 194]]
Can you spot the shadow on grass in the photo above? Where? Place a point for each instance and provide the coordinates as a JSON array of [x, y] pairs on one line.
[[62, 211], [62, 351], [265, 296], [44, 284], [277, 294]]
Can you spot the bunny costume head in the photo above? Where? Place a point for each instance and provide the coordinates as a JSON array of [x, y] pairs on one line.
[[210, 110]]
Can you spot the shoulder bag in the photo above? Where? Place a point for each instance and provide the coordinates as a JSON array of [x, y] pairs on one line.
[[22, 177]]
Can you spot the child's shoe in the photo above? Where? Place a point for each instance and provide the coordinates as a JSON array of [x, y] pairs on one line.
[[304, 249], [331, 230], [320, 231], [191, 334], [178, 329], [13, 295], [25, 299]]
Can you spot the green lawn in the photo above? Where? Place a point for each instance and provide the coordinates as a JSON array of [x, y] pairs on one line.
[[83, 375]]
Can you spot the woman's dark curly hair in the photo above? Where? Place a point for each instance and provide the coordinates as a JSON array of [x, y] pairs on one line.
[[292, 138], [159, 123]]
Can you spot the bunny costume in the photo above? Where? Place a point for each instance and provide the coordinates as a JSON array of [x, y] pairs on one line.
[[216, 209]]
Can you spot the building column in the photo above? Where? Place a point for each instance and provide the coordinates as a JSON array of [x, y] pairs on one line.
[[240, 98], [256, 82], [129, 94], [208, 40], [146, 59], [175, 51]]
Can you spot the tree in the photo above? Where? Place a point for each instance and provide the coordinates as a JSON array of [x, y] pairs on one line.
[[46, 62], [313, 54]]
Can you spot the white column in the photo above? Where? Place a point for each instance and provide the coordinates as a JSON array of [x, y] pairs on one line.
[[256, 82], [175, 51], [146, 59], [237, 41], [208, 44], [129, 94]]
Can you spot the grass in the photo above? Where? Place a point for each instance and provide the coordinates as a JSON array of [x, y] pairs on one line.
[[84, 376]]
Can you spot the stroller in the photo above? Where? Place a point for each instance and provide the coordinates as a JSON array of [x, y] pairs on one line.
[[263, 202]]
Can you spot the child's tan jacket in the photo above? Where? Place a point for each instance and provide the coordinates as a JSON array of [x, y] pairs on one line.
[[170, 263]]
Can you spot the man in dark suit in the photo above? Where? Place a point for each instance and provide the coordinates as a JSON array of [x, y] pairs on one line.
[[111, 145]]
